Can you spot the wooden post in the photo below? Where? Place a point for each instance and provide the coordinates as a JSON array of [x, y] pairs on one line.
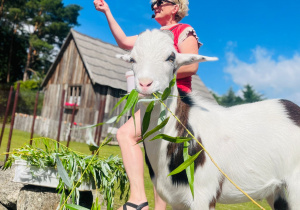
[[61, 113], [34, 116], [98, 120], [12, 122], [72, 121], [101, 116], [6, 113]]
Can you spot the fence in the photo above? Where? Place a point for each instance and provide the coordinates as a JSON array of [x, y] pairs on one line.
[[26, 102]]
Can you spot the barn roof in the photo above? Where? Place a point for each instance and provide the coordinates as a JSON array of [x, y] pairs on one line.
[[102, 65]]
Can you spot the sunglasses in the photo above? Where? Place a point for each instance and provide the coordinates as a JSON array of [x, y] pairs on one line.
[[160, 2]]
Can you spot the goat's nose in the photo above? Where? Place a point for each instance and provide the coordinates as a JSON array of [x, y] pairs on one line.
[[145, 82]]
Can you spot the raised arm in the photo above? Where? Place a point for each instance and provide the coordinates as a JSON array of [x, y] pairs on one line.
[[125, 42]]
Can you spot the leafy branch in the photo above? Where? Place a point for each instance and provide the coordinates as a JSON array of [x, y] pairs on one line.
[[75, 168]]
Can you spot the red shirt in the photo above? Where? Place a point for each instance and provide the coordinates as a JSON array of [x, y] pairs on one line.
[[184, 84]]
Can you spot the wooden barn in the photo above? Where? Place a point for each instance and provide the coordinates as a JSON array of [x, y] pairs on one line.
[[93, 78]]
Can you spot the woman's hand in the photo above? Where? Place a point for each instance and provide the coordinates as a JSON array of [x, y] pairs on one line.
[[101, 6], [120, 37]]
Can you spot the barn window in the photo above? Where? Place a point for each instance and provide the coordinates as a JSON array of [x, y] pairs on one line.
[[74, 94]]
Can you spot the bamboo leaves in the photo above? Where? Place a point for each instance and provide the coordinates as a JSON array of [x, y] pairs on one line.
[[147, 117], [167, 91], [190, 169], [171, 139], [75, 207], [63, 173], [185, 164], [108, 173], [131, 101], [188, 163], [157, 128]]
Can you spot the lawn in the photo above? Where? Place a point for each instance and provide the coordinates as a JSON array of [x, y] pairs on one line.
[[20, 138]]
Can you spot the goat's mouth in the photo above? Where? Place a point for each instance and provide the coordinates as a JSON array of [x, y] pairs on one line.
[[145, 95]]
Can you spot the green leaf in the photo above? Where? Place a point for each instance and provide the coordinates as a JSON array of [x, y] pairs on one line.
[[96, 205], [166, 93], [185, 164], [7, 164], [157, 128], [147, 100], [63, 173], [163, 114], [147, 117], [131, 100], [173, 81], [171, 139], [75, 207], [190, 169], [107, 141], [93, 148], [133, 111], [119, 102], [109, 121]]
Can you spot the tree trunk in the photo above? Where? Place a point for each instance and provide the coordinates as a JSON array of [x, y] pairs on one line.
[[29, 55], [9, 59], [11, 51], [1, 9]]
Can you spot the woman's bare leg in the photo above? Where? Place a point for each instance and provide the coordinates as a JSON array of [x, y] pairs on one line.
[[133, 159]]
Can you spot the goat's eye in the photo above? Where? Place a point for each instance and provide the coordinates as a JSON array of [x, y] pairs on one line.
[[131, 60], [171, 58]]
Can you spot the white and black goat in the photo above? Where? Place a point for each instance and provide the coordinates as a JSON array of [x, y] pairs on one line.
[[257, 145]]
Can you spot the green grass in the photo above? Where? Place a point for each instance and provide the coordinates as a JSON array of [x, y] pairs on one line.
[[20, 138]]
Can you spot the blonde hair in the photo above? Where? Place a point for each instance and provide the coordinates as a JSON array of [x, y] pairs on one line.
[[183, 9]]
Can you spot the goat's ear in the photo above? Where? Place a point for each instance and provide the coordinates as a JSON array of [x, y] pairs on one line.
[[125, 57], [186, 59]]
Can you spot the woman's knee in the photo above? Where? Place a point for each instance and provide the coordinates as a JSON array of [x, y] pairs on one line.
[[121, 134], [127, 134]]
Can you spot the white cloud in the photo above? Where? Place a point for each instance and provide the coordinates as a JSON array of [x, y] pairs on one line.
[[28, 28], [275, 78]]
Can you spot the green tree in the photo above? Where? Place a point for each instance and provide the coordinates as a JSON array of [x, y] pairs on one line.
[[250, 95], [51, 22], [12, 40], [27, 95], [230, 98], [29, 30]]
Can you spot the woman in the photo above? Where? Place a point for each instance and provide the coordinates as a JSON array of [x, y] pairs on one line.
[[167, 13]]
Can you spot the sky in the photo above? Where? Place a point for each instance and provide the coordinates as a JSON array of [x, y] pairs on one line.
[[257, 42]]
